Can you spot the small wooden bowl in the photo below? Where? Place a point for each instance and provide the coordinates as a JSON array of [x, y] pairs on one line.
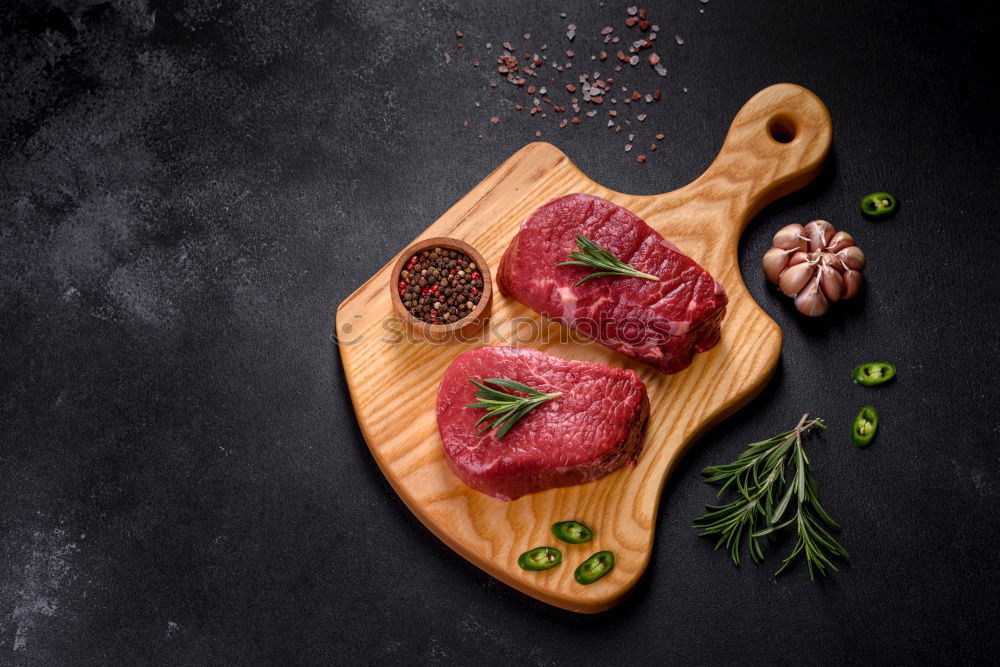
[[459, 329]]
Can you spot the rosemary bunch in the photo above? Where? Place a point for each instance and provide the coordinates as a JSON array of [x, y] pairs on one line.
[[507, 409], [593, 256], [763, 501]]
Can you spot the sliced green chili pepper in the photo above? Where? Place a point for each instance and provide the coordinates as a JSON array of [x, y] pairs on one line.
[[878, 205], [540, 558], [864, 427], [572, 532], [871, 374], [595, 567]]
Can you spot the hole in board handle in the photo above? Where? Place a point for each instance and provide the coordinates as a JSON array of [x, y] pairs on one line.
[[782, 129]]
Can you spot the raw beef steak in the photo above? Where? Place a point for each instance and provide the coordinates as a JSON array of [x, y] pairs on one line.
[[593, 429], [662, 323]]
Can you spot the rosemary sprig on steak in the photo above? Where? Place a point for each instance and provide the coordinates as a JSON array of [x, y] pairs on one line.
[[507, 409], [758, 477], [593, 256]]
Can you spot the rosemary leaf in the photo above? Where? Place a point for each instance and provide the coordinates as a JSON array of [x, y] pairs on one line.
[[758, 477], [593, 256], [505, 409]]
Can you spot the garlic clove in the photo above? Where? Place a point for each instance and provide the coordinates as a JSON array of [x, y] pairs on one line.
[[840, 241], [852, 257], [819, 233], [798, 257], [794, 278], [789, 237], [811, 301], [831, 283], [775, 261], [852, 283]]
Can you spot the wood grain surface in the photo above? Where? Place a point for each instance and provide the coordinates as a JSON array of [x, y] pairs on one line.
[[776, 144]]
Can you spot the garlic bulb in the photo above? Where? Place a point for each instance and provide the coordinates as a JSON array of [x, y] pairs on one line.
[[816, 265]]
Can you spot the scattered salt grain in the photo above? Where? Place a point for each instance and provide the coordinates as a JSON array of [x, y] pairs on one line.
[[628, 147], [679, 39], [641, 117]]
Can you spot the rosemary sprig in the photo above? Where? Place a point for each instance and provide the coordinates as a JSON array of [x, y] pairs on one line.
[[758, 476], [593, 256], [507, 408]]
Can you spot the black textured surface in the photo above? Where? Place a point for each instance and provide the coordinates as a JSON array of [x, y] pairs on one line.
[[190, 188]]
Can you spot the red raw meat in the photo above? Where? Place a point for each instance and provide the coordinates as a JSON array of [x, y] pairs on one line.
[[593, 429], [662, 323]]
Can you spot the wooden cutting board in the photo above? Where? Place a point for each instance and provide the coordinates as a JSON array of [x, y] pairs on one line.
[[776, 144]]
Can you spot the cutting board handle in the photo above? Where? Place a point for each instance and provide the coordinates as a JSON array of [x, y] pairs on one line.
[[776, 144]]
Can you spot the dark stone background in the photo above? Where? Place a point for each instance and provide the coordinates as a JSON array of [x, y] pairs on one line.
[[189, 189]]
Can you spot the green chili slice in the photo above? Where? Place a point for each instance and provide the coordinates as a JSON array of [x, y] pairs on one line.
[[865, 425], [594, 567], [878, 205], [540, 558], [874, 373], [572, 532]]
